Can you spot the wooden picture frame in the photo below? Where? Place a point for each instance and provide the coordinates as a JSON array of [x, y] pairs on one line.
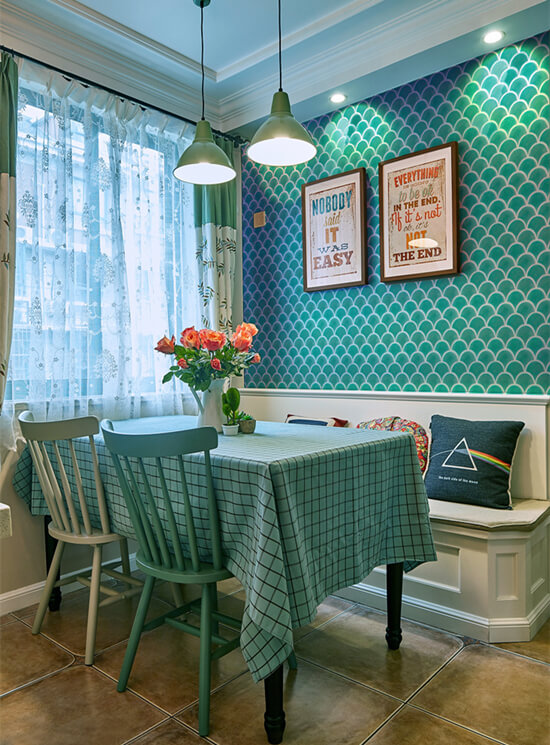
[[334, 231], [419, 214]]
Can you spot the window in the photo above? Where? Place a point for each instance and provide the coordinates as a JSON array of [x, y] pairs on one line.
[[105, 251]]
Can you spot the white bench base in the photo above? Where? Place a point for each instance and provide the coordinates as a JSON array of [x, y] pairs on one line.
[[491, 580]]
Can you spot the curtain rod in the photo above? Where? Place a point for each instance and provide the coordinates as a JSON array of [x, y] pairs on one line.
[[236, 139]]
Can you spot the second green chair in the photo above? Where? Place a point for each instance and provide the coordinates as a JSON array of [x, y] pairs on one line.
[[166, 551]]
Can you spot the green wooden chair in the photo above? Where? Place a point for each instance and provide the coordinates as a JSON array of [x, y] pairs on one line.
[[70, 514], [166, 551]]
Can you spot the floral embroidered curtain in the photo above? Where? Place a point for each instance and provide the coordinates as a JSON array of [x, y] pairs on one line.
[[8, 140], [106, 252], [216, 227]]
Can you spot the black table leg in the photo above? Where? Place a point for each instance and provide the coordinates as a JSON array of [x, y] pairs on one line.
[[394, 589], [274, 717], [50, 545]]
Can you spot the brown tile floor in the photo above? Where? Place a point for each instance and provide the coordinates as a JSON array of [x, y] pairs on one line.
[[438, 689]]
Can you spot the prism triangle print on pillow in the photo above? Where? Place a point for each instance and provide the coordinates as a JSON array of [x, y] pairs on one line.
[[471, 461]]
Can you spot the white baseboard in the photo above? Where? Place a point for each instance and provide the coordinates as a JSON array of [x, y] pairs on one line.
[[23, 597], [452, 620]]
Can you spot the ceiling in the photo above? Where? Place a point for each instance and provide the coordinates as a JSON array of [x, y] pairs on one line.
[[151, 50]]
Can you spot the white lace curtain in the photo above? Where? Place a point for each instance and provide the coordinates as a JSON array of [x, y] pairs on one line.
[[106, 252]]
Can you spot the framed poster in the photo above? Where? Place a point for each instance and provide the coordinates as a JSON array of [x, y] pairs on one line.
[[333, 231], [419, 214]]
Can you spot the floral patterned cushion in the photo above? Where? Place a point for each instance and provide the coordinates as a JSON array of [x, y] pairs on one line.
[[397, 424]]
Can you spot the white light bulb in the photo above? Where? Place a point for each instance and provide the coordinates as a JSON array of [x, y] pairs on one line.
[[491, 37], [281, 151], [338, 98]]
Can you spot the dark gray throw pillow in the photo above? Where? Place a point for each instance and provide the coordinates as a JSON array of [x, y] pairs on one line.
[[471, 461]]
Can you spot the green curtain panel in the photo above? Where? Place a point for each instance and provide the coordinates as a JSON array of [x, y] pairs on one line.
[[8, 145], [216, 226]]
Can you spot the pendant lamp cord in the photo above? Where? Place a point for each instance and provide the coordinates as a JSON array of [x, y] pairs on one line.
[[280, 55], [202, 59]]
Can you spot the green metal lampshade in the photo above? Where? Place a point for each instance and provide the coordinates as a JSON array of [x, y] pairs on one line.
[[281, 140], [203, 162]]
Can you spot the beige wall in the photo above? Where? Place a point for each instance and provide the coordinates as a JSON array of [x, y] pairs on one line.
[[22, 557]]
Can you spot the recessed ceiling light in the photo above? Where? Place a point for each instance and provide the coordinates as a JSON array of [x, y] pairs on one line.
[[491, 37], [338, 98]]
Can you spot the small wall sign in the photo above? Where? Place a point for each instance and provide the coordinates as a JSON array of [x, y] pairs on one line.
[[333, 231], [418, 214]]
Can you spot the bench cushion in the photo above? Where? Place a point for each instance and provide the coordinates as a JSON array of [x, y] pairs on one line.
[[525, 515]]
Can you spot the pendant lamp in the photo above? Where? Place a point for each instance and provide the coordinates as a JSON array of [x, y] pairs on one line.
[[203, 162], [281, 140]]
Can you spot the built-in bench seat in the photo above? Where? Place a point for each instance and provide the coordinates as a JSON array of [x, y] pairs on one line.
[[491, 579], [525, 515]]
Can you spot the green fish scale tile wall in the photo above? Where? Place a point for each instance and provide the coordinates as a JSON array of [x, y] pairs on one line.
[[485, 330]]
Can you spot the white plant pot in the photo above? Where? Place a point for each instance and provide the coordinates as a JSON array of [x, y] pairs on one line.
[[230, 429]]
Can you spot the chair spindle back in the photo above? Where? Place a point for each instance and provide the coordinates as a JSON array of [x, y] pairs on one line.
[[141, 462], [48, 443]]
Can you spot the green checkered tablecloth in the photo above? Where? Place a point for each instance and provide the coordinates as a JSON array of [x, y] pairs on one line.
[[304, 511]]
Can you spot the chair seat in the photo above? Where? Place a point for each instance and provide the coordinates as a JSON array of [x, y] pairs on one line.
[[94, 538], [206, 573]]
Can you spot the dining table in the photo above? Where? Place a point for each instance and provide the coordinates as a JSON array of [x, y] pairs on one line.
[[304, 511]]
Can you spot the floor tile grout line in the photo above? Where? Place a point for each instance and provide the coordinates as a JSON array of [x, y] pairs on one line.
[[32, 682], [145, 732], [144, 697], [494, 646], [378, 690], [171, 718], [212, 692], [386, 721], [457, 724], [160, 724], [325, 623], [434, 674], [350, 680], [377, 611], [129, 690], [188, 728]]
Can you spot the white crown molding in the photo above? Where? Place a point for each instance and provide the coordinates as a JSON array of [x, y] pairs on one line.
[[296, 37], [367, 52], [98, 19], [156, 80], [28, 34]]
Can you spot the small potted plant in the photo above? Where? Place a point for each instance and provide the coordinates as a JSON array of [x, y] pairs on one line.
[[230, 406], [247, 423]]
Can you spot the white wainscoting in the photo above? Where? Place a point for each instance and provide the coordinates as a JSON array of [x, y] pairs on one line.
[[530, 475], [489, 584]]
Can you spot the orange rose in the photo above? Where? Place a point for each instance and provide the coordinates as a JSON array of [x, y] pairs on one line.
[[256, 358], [215, 364], [212, 340], [190, 338], [248, 327], [241, 340], [183, 363], [166, 345]]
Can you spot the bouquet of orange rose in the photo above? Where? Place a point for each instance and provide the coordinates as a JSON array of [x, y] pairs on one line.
[[206, 355]]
